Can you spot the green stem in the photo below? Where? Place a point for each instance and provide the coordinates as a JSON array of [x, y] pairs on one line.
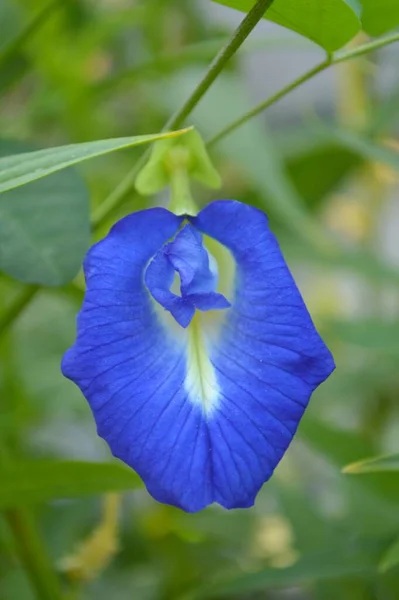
[[15, 44], [182, 202], [334, 59], [30, 549], [344, 55], [197, 52], [220, 61], [215, 68], [33, 555], [266, 103], [114, 199], [21, 301]]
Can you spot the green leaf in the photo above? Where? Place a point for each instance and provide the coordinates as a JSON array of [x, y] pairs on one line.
[[349, 561], [380, 16], [44, 226], [390, 558], [338, 445], [316, 167], [41, 480], [329, 23], [23, 168], [364, 146], [379, 464], [341, 447]]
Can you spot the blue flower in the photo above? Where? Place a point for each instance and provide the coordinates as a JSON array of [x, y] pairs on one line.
[[196, 352]]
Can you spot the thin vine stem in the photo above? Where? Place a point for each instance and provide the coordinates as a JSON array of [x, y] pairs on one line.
[[175, 121], [266, 103], [334, 59], [33, 554], [30, 548], [220, 61]]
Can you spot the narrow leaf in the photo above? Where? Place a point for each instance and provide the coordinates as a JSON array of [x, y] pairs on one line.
[[390, 558], [379, 464], [23, 168], [329, 23], [364, 146], [39, 481], [335, 564], [44, 226]]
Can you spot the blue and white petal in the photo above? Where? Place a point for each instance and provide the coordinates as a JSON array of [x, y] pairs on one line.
[[201, 404], [268, 357]]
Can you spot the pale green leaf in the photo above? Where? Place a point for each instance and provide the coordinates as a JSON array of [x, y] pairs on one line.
[[329, 23], [348, 561], [44, 226], [366, 147], [380, 16], [23, 168], [41, 480], [390, 558], [379, 464]]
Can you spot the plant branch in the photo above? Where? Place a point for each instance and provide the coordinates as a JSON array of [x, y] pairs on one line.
[[266, 103], [215, 68], [220, 61], [344, 55], [30, 549], [33, 555], [334, 59]]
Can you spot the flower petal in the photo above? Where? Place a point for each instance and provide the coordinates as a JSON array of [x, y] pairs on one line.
[[132, 368], [187, 256], [201, 418], [268, 356]]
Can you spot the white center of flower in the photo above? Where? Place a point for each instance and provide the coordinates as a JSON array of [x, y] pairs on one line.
[[201, 382]]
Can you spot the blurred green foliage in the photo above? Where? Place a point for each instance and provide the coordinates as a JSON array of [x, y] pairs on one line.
[[78, 70]]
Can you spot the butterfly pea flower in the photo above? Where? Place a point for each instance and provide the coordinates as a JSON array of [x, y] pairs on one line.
[[196, 352]]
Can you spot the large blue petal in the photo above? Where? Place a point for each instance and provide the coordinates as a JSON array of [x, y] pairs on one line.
[[132, 368], [196, 442], [268, 356]]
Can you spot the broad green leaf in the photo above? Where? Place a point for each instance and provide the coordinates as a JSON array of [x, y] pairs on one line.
[[23, 168], [41, 480], [375, 465], [329, 23], [390, 558], [350, 561], [380, 16], [317, 169], [44, 226], [341, 447]]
